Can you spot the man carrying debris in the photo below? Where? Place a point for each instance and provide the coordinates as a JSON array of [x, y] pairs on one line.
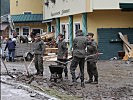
[[91, 61], [79, 46], [39, 48], [62, 53]]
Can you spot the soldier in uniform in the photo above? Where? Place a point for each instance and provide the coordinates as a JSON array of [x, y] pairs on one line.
[[91, 61], [79, 46], [62, 53], [39, 48]]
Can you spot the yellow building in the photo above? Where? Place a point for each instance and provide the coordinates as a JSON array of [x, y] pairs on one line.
[[104, 19], [27, 16]]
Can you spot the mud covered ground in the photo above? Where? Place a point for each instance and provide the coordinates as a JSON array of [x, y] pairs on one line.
[[115, 81]]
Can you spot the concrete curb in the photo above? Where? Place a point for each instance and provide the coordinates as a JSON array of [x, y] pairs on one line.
[[31, 91]]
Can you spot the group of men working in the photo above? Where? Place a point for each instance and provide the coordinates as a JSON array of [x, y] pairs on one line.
[[80, 43]]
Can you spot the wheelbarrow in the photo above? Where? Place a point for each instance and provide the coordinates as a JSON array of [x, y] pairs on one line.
[[57, 70]]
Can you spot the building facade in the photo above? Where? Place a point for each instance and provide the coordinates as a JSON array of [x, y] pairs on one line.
[[27, 16], [97, 16]]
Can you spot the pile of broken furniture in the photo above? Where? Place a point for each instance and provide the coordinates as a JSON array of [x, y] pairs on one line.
[[128, 48]]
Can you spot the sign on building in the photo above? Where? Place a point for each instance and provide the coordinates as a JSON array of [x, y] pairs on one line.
[[60, 8]]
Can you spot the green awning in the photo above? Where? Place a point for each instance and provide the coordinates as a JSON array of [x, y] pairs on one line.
[[126, 6], [23, 18]]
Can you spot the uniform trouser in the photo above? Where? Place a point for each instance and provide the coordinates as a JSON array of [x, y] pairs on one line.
[[39, 63], [92, 70], [65, 68], [75, 62], [11, 55]]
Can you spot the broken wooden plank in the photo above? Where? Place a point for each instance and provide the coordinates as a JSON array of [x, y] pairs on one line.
[[125, 41]]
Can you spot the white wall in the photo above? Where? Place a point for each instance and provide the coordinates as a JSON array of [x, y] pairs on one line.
[[69, 7], [108, 4]]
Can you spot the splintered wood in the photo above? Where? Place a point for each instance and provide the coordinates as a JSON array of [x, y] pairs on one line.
[[128, 48]]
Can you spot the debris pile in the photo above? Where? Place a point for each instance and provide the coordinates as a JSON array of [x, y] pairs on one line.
[[128, 48], [51, 46]]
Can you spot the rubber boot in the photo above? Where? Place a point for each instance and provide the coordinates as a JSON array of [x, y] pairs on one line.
[[95, 80], [82, 85], [66, 76]]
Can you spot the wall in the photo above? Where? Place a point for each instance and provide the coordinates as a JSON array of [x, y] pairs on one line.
[[76, 19], [36, 6], [109, 19], [108, 4], [64, 8], [64, 20]]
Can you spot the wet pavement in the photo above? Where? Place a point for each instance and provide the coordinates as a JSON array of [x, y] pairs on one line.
[[8, 92], [115, 81]]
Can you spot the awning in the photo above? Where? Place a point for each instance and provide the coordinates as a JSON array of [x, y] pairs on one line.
[[126, 6], [48, 20], [3, 26], [23, 18]]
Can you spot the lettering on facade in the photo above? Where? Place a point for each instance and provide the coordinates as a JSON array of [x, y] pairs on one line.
[[60, 12], [55, 13]]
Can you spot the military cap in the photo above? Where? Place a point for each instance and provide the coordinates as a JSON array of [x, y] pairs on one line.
[[91, 34], [79, 33], [61, 35]]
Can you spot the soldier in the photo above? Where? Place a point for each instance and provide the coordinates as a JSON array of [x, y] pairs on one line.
[[62, 53], [39, 48], [79, 46], [91, 61]]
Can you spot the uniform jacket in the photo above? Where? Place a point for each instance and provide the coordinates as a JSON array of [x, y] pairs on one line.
[[79, 46], [39, 47], [92, 49], [62, 49]]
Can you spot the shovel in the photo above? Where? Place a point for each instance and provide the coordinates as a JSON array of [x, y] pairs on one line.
[[7, 69]]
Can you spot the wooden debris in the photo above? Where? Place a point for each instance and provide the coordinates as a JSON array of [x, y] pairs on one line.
[[128, 48]]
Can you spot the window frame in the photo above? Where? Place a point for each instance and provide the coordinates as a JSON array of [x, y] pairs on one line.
[[41, 30], [30, 12], [74, 29], [19, 30], [23, 31]]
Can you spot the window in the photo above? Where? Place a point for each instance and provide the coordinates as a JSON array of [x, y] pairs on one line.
[[37, 30], [53, 28], [26, 31], [63, 30], [17, 30], [27, 12], [77, 27], [68, 32]]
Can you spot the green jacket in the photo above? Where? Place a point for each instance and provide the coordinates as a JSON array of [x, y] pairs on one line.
[[39, 48], [62, 49], [79, 46], [92, 49]]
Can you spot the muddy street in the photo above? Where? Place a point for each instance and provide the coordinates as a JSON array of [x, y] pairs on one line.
[[115, 82]]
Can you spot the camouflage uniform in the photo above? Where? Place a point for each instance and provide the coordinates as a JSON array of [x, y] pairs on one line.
[[63, 52], [39, 52], [91, 63], [79, 46]]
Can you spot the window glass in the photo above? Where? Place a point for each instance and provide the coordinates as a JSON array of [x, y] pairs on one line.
[[77, 27], [36, 31], [26, 31], [17, 31]]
